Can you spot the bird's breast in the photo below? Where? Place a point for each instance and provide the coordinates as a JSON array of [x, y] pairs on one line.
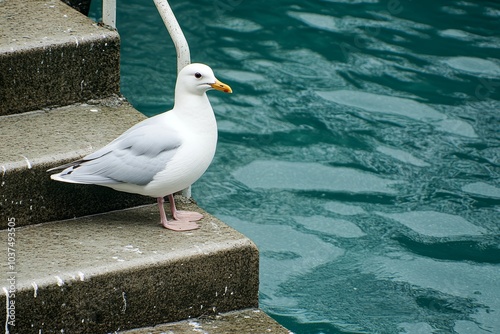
[[187, 165]]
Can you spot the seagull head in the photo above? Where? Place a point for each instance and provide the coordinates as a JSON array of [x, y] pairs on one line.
[[199, 78]]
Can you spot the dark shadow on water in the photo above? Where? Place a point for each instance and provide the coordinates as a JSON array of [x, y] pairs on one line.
[[308, 328], [480, 252]]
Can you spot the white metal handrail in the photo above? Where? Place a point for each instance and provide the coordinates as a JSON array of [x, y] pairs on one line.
[[175, 31], [109, 12], [168, 17]]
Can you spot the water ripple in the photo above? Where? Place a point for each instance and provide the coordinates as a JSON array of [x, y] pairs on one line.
[[435, 224], [311, 176], [383, 104], [483, 67], [325, 225], [482, 189]]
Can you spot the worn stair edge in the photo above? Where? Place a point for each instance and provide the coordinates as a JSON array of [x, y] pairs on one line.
[[52, 55], [242, 321], [33, 142], [123, 270]]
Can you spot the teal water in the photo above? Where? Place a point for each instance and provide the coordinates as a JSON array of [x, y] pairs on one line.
[[359, 151]]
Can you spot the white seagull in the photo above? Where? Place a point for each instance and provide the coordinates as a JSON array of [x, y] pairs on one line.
[[162, 154]]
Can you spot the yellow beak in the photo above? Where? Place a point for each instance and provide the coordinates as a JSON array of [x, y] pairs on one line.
[[221, 86]]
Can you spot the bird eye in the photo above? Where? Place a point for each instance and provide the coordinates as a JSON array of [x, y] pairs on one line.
[[197, 75]]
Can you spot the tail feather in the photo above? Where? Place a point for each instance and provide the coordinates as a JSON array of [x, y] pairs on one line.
[[60, 177], [73, 174], [70, 164]]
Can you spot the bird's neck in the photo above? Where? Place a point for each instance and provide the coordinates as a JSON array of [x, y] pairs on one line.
[[195, 109]]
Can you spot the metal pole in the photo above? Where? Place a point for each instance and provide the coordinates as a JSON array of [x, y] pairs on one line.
[[175, 31], [109, 13]]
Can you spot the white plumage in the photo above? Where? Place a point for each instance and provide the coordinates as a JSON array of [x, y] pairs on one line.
[[162, 154]]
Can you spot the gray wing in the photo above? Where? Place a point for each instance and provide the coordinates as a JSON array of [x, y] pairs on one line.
[[134, 157]]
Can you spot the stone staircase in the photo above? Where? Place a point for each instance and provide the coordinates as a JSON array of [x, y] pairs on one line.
[[87, 259]]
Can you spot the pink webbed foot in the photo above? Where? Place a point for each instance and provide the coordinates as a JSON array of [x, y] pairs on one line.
[[183, 215], [180, 225], [187, 215], [183, 220]]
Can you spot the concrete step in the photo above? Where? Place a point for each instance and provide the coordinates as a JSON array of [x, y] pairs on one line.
[[242, 321], [35, 141], [123, 270], [52, 55]]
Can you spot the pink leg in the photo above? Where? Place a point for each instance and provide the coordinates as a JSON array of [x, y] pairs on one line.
[[180, 223], [163, 216]]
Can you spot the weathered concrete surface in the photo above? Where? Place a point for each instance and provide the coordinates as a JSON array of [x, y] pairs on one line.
[[83, 6], [244, 322], [52, 55], [30, 143], [123, 270]]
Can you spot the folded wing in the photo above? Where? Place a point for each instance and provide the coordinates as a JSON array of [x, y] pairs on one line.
[[135, 157]]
